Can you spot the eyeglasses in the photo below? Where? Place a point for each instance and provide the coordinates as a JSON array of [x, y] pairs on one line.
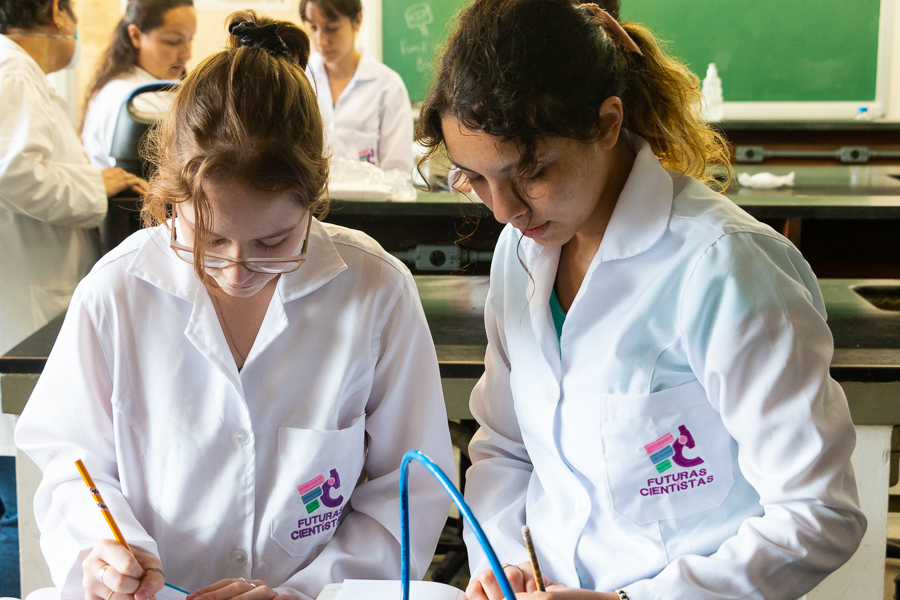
[[271, 266]]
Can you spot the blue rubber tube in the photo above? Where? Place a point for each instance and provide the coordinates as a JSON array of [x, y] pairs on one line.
[[464, 510]]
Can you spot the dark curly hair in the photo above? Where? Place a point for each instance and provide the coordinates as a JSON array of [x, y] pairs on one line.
[[29, 14], [246, 114], [520, 70]]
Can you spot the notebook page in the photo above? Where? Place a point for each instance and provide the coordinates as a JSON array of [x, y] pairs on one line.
[[366, 589], [170, 593]]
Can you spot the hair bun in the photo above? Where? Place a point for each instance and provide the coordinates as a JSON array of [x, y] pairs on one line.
[[278, 38], [264, 36]]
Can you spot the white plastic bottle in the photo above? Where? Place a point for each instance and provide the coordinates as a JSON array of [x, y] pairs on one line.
[[712, 94]]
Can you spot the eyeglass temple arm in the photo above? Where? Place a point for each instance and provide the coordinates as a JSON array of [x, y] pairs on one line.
[[306, 238]]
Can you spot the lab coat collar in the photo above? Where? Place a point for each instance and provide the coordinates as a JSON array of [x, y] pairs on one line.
[[323, 263], [156, 264], [316, 65], [367, 69], [641, 215], [140, 74], [9, 50]]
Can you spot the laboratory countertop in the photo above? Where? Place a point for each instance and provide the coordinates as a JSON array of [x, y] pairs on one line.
[[821, 125], [867, 338], [819, 192], [761, 204]]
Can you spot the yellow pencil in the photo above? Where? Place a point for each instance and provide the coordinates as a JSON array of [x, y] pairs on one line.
[[88, 481], [101, 504], [532, 555]]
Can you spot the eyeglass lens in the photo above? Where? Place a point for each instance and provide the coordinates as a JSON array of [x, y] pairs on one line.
[[211, 262]]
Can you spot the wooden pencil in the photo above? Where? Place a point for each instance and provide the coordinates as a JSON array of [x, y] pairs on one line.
[[532, 555]]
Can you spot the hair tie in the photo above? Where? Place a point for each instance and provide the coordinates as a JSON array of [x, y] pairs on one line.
[[265, 37], [614, 28]]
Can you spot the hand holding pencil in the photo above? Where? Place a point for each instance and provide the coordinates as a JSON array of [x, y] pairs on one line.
[[523, 578], [114, 570]]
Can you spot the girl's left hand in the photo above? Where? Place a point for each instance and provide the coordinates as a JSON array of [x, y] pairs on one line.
[[225, 589]]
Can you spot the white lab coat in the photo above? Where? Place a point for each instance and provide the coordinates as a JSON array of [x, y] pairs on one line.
[[683, 438], [212, 468], [50, 198], [372, 119], [103, 112]]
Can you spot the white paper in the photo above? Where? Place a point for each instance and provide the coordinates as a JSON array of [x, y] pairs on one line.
[[359, 180], [765, 181], [170, 593], [367, 589]]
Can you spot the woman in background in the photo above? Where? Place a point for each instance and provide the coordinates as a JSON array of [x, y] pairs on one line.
[[152, 42], [364, 104]]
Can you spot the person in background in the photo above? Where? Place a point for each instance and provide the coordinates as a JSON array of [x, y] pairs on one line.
[[240, 379], [152, 42], [656, 404], [364, 104], [51, 198]]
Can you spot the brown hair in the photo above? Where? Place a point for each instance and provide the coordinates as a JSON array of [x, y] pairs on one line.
[[121, 56], [246, 114], [520, 70], [334, 8]]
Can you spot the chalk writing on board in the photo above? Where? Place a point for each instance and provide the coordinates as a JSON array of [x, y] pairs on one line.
[[413, 48], [419, 16], [421, 50]]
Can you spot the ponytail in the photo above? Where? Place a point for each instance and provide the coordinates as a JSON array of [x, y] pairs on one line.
[[662, 100]]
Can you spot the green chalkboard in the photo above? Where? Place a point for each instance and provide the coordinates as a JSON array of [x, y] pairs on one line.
[[773, 50], [413, 31], [765, 50]]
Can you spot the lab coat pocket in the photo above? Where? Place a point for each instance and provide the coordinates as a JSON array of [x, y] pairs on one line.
[[317, 472], [667, 454], [359, 143]]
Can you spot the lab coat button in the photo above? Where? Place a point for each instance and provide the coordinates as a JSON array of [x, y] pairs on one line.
[[239, 557], [240, 437]]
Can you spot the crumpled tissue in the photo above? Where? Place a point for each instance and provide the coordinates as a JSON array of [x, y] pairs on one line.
[[358, 180], [765, 181]]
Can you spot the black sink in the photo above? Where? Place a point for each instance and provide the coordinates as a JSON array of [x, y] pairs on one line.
[[885, 297]]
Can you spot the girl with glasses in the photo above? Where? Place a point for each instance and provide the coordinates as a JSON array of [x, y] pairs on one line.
[[656, 403], [240, 379]]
